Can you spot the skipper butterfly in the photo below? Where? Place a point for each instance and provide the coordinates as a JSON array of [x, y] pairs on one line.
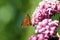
[[27, 21]]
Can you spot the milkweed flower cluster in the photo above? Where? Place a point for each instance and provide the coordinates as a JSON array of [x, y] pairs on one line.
[[45, 9], [44, 26], [47, 27]]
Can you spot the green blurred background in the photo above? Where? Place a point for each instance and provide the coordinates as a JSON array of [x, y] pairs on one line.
[[12, 14]]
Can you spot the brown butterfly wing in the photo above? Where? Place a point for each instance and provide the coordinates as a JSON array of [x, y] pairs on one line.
[[27, 21], [24, 23]]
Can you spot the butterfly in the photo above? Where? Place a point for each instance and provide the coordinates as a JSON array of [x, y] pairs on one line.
[[27, 21]]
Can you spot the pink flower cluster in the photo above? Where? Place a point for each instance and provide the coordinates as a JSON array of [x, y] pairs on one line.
[[46, 9], [37, 37], [44, 26], [47, 27]]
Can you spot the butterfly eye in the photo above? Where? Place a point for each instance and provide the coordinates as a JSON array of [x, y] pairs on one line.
[[26, 21]]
